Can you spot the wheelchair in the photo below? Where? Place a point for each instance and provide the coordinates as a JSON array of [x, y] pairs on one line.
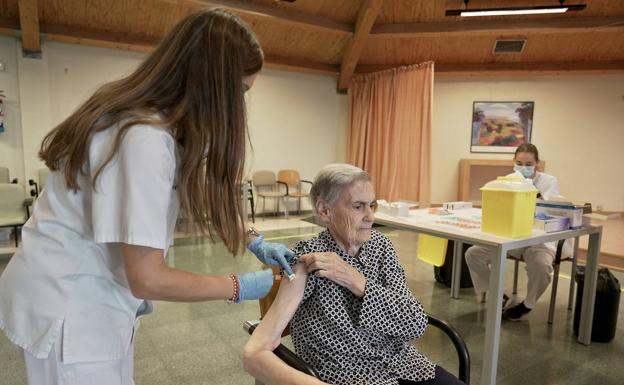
[[294, 361]]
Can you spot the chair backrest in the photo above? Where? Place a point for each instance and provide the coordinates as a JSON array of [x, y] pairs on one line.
[[263, 178], [43, 177], [4, 175], [432, 249], [290, 177], [12, 211]]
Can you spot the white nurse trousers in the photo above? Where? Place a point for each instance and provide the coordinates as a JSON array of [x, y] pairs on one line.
[[52, 370], [538, 259]]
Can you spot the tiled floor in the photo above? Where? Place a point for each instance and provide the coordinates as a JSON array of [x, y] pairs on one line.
[[201, 343]]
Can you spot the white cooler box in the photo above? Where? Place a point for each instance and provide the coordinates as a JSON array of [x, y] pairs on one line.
[[562, 209]]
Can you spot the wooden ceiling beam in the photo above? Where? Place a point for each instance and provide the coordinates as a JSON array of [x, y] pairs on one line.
[[310, 22], [29, 25], [523, 69], [287, 64], [9, 27], [366, 18], [90, 37], [516, 69], [487, 27]]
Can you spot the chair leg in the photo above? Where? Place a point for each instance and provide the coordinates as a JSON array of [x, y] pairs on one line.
[[16, 234], [572, 285], [553, 294], [251, 205], [573, 273], [263, 208], [299, 206], [515, 281]]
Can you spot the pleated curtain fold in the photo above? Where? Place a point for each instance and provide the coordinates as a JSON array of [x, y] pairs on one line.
[[390, 130]]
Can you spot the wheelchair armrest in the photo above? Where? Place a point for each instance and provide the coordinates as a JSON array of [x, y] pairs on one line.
[[296, 362], [283, 353], [26, 204], [250, 326], [285, 184], [460, 346]]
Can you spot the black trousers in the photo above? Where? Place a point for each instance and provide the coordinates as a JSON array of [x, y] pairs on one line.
[[442, 377]]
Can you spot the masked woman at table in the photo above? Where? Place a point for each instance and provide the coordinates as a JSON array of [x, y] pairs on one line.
[[538, 259]]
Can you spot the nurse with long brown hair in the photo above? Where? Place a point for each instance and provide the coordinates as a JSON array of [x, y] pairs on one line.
[[169, 137]]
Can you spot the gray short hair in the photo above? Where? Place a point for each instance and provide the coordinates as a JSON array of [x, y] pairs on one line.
[[333, 179]]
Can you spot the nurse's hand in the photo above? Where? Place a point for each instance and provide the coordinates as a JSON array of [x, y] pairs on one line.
[[271, 253], [255, 285]]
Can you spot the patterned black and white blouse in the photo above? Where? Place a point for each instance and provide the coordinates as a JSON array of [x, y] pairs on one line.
[[351, 340]]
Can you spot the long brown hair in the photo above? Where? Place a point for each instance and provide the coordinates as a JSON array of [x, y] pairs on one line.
[[192, 84]]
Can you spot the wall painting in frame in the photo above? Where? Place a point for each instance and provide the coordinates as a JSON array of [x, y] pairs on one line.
[[500, 126]]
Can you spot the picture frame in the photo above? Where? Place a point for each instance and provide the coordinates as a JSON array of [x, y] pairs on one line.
[[500, 127]]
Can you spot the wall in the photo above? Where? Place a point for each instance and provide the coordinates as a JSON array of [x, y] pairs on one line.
[[298, 121], [578, 127], [295, 120], [11, 139]]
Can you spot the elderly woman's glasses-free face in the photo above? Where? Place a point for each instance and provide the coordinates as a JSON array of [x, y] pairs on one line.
[[361, 206]]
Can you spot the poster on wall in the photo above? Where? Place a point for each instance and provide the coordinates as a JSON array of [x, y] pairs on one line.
[[500, 126]]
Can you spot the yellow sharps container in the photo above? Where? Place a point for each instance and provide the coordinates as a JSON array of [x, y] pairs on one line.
[[508, 205]]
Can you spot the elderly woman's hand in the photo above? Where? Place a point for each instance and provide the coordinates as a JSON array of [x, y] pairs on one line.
[[331, 266]]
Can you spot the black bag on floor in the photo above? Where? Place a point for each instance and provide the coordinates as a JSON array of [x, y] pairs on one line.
[[443, 273], [606, 305]]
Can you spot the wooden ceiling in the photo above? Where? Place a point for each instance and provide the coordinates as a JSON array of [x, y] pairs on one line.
[[343, 37]]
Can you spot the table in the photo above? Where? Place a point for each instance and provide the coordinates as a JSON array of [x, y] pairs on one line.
[[422, 222], [612, 241]]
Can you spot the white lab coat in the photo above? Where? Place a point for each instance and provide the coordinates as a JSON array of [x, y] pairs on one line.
[[546, 184], [67, 278]]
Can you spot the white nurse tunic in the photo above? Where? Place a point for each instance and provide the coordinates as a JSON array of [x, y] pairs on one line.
[[67, 278]]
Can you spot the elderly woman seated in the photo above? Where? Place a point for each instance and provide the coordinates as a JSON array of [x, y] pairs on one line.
[[352, 312]]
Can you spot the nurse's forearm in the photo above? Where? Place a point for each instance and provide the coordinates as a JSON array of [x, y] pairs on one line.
[[181, 286], [150, 278]]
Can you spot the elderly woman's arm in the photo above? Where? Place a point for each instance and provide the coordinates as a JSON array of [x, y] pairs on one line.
[[258, 357], [388, 305]]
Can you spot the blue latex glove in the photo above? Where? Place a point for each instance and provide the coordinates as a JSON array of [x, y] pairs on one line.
[[254, 285], [273, 254]]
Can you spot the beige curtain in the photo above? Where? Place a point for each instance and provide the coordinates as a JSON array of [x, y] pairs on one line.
[[390, 130]]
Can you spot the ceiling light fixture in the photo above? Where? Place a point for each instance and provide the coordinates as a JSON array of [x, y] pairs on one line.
[[515, 10]]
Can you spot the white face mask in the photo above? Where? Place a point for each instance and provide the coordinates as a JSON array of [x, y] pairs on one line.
[[526, 171]]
